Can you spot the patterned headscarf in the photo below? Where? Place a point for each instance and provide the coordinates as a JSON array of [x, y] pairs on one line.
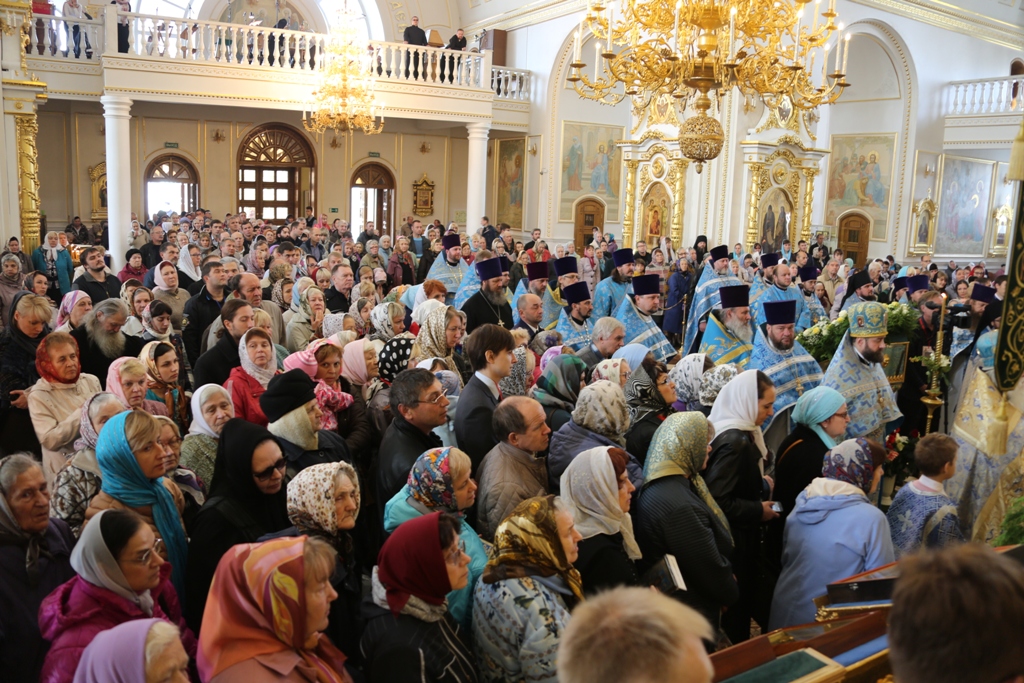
[[559, 383], [610, 369], [382, 320], [333, 323], [515, 383], [87, 435], [686, 375], [68, 303], [549, 355], [679, 447], [311, 497], [258, 606], [425, 308], [643, 396], [713, 380], [44, 366], [147, 324], [178, 408], [305, 308], [450, 382], [432, 340], [261, 375], [277, 293], [394, 357], [591, 489], [527, 544], [126, 297], [430, 481], [601, 408], [851, 462]]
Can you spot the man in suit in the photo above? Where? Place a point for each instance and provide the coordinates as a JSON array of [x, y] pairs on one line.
[[419, 404], [489, 232], [489, 350], [414, 35], [531, 311], [609, 336], [488, 305]]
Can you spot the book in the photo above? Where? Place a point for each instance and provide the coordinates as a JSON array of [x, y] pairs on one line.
[[665, 576]]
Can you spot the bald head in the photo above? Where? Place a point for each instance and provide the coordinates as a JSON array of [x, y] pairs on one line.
[[521, 422], [531, 309]]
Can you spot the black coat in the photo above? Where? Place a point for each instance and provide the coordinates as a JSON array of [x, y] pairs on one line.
[[150, 255], [603, 564], [479, 312], [640, 435], [331, 448], [801, 456], [214, 366], [354, 427], [93, 360], [98, 291], [473, 420], [335, 301], [401, 445], [200, 312], [908, 399]]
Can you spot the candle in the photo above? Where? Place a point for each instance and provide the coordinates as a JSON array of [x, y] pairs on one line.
[[611, 24], [732, 33], [679, 10], [814, 27], [597, 58], [576, 47], [810, 70], [796, 36], [824, 68], [846, 53], [831, 6]]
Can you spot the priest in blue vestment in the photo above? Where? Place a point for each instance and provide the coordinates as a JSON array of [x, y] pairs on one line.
[[856, 371], [449, 268], [782, 290], [767, 277], [728, 336], [705, 296], [535, 282], [567, 272], [813, 311], [574, 320], [610, 291], [635, 312]]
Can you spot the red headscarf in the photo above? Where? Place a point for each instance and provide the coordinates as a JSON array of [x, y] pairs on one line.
[[412, 563], [45, 367]]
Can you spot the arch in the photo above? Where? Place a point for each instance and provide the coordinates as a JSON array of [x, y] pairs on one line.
[[372, 198], [276, 143], [170, 183], [319, 19], [276, 173]]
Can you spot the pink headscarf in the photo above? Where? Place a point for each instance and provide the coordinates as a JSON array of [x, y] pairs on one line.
[[353, 362], [548, 355], [67, 303]]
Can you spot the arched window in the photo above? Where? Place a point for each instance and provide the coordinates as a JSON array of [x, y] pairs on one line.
[[372, 198], [172, 186], [276, 173]]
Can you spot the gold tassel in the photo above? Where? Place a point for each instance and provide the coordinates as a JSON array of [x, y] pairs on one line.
[[996, 429], [1016, 171]]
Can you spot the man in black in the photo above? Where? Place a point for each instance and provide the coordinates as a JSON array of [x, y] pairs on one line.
[[310, 217], [414, 35], [95, 281], [101, 341], [203, 308], [489, 304], [922, 343], [457, 43], [151, 251], [214, 366], [337, 295], [489, 349], [489, 232], [77, 233], [418, 404]]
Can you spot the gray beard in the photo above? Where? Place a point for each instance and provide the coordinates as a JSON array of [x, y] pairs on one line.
[[494, 298], [739, 330], [110, 345]]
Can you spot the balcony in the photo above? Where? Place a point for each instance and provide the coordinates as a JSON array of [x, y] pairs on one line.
[[250, 66], [984, 113]]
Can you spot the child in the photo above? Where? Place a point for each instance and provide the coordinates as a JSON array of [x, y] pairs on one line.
[[922, 514]]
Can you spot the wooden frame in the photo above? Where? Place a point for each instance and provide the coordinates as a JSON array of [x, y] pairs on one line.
[[98, 178], [923, 220], [423, 197], [986, 184], [896, 362]]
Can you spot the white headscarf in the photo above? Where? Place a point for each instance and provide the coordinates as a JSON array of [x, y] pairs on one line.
[[94, 562], [591, 489], [422, 310], [686, 376], [736, 408], [186, 266], [261, 375], [199, 425]]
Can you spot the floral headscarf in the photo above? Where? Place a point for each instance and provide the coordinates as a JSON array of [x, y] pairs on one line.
[[643, 396], [68, 303], [515, 383], [680, 446], [333, 323], [430, 481], [610, 369], [277, 293], [591, 489], [44, 366], [147, 324], [432, 340], [851, 462], [394, 357], [547, 356], [86, 434], [559, 383], [126, 297], [305, 309], [311, 497], [686, 375], [527, 544], [177, 407], [382, 320], [712, 381], [601, 408]]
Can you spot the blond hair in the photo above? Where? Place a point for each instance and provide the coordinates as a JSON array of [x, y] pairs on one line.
[[132, 367], [459, 464], [319, 558], [141, 429], [161, 635], [34, 306], [261, 318]]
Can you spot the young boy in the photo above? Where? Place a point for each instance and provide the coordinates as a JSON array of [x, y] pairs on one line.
[[922, 514]]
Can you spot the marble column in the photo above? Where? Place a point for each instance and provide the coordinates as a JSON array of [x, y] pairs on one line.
[[476, 185], [116, 118]]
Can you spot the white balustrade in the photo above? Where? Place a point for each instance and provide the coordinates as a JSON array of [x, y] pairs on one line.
[[510, 84], [1002, 95], [56, 37]]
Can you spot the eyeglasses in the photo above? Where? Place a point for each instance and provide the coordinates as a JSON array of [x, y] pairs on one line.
[[278, 466], [147, 555], [843, 416], [170, 443], [436, 400], [455, 556]]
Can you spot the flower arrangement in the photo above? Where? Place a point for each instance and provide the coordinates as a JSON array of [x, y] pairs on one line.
[[899, 460], [822, 340], [937, 367]]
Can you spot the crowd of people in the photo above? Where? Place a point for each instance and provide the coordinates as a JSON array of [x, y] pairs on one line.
[[265, 452]]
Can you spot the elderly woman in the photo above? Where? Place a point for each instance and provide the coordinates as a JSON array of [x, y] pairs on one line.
[[601, 418], [249, 381], [133, 324], [14, 248], [189, 262], [294, 417], [615, 370], [387, 320], [521, 605], [440, 482], [307, 323], [122, 576], [192, 489], [441, 332], [410, 637], [597, 490], [168, 291], [246, 500], [128, 380], [134, 268], [834, 531], [711, 383], [211, 409], [558, 387], [359, 367], [72, 310], [34, 561], [53, 259], [11, 281], [161, 362], [138, 650], [19, 343], [156, 323], [685, 377], [649, 394], [678, 516]]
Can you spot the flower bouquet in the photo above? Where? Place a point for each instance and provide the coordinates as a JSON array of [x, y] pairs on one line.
[[822, 340], [899, 461]]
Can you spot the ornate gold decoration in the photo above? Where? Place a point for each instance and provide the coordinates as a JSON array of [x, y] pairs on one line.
[[924, 210], [423, 197], [805, 223], [779, 174], [629, 208], [1003, 217], [26, 127], [98, 178], [701, 138], [763, 178], [679, 169], [756, 171], [218, 136], [658, 167]]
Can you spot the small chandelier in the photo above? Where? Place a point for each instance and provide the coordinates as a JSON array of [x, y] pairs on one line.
[[344, 97]]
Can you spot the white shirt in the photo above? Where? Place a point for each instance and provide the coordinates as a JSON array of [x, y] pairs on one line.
[[489, 383]]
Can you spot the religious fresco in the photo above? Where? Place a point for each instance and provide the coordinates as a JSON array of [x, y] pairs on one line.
[[657, 212], [775, 216], [591, 165], [860, 173], [965, 193], [510, 175], [268, 12]]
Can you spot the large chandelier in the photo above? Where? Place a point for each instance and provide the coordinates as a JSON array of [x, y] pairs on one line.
[[692, 50], [344, 97]]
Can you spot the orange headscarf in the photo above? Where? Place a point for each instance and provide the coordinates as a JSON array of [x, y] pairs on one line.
[[257, 606]]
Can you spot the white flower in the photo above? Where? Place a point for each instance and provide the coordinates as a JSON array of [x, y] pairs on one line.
[[843, 315]]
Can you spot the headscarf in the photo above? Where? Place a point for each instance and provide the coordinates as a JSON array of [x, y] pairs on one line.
[[527, 544], [311, 497], [252, 266], [277, 293], [712, 381], [45, 367], [589, 486], [11, 532], [333, 323], [432, 340], [680, 446], [430, 481], [117, 655], [67, 303], [412, 563], [147, 324], [610, 369], [686, 375], [552, 352], [450, 382], [305, 312], [601, 408], [261, 375], [176, 407], [257, 606], [92, 560], [559, 383], [851, 462], [128, 299], [87, 435], [190, 269], [394, 357], [298, 290], [382, 320], [201, 395], [736, 408], [232, 475], [114, 379], [422, 310], [643, 397], [515, 383], [816, 406], [158, 277], [353, 362], [633, 354]]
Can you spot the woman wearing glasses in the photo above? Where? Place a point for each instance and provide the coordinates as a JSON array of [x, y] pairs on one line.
[[121, 577], [246, 501], [439, 482]]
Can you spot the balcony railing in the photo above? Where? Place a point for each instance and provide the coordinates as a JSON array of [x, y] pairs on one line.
[[1001, 95], [510, 84], [78, 39]]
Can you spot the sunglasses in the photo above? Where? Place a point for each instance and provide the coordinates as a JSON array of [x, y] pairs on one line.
[[278, 466]]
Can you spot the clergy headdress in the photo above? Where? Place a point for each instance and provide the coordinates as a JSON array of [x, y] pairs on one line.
[[808, 273], [867, 319], [899, 283], [488, 268], [538, 270], [720, 252], [576, 293], [449, 241], [780, 312], [858, 280], [918, 283], [622, 257], [566, 265], [736, 296], [982, 293], [769, 260], [506, 265], [646, 284]]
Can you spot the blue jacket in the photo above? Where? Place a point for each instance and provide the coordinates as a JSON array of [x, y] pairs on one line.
[[571, 440], [65, 269], [678, 288]]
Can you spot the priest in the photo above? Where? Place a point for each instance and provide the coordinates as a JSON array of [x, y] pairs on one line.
[[489, 304], [856, 371], [535, 282], [574, 320], [728, 336], [449, 268], [635, 312], [470, 284], [766, 278], [783, 289], [813, 311], [859, 289], [610, 291], [567, 273], [917, 285], [705, 296]]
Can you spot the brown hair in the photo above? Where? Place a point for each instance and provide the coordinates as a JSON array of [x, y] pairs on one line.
[[326, 351], [487, 338], [933, 452], [619, 459], [258, 333], [432, 287]]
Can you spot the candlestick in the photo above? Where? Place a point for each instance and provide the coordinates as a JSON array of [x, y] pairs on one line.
[[831, 6], [846, 53], [814, 27], [597, 57], [732, 34]]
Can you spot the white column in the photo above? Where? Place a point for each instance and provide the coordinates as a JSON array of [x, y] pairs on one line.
[[119, 184], [476, 186]]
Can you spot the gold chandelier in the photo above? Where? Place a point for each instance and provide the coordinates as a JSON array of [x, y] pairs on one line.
[[344, 97], [696, 49]]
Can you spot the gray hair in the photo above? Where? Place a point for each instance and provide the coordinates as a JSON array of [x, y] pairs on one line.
[[508, 417], [10, 257], [606, 327], [109, 307], [99, 401], [12, 467], [161, 635], [224, 260]]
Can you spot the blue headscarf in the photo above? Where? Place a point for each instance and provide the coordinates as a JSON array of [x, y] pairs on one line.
[[124, 481], [633, 354], [816, 406], [903, 271]]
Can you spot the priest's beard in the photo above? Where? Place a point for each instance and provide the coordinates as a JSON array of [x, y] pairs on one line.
[[868, 297], [110, 345], [739, 329], [780, 345], [495, 298], [537, 287], [617, 277], [873, 356], [769, 279]]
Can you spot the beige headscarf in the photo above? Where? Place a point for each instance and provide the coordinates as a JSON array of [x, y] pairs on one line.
[[590, 487], [601, 408]]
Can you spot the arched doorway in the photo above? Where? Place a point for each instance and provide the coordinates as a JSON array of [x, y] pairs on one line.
[[372, 198], [589, 215], [854, 228], [276, 174], [171, 186]]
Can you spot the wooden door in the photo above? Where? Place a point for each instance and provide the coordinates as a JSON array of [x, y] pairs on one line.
[[269, 193], [589, 214], [853, 236]]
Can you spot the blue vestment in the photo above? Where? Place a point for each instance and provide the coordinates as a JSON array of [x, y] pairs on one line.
[[608, 295], [793, 372], [722, 347], [705, 298], [520, 290], [574, 336], [866, 389], [641, 329], [469, 286], [776, 293], [813, 313], [448, 275], [553, 305], [920, 517]]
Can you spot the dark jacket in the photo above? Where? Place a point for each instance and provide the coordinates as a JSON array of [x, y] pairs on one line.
[[335, 301], [480, 312], [734, 478], [401, 445], [354, 427], [150, 255], [98, 291], [603, 564], [200, 311], [214, 366], [800, 459], [570, 441], [93, 360], [555, 417], [22, 648], [640, 434], [331, 448], [590, 356], [426, 261], [678, 289], [473, 420]]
